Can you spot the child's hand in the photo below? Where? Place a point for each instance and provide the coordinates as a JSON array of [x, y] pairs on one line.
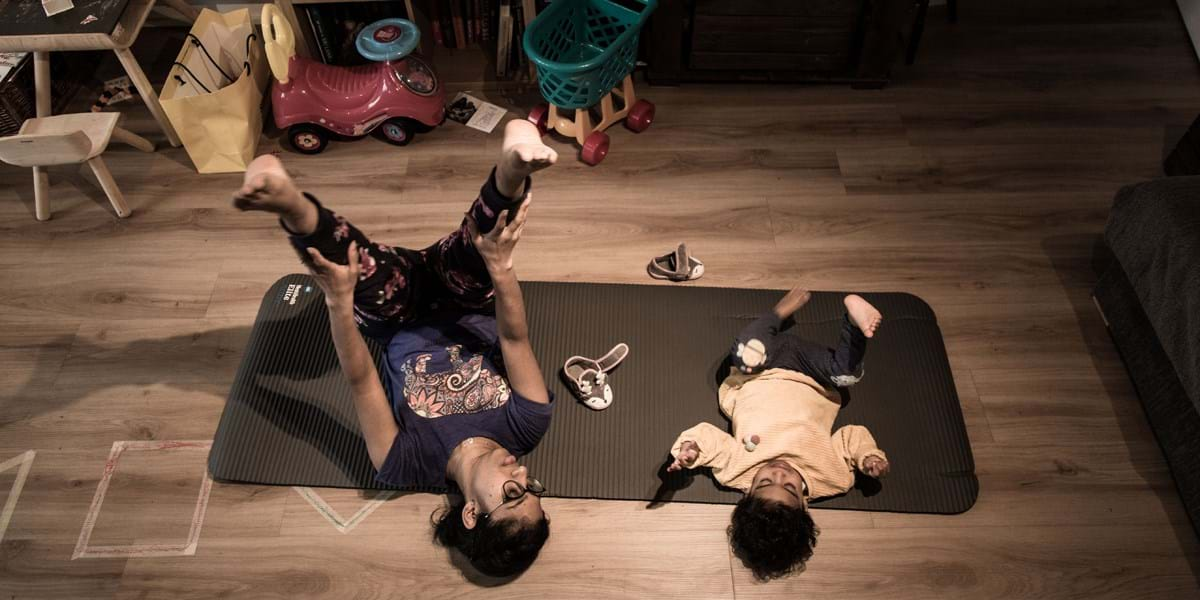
[[496, 246], [876, 467], [688, 453]]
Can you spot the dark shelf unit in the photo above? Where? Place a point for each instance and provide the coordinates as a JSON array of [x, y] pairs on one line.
[[851, 41]]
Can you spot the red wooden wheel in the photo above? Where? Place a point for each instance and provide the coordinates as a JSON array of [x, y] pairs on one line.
[[640, 116], [539, 116], [595, 148]]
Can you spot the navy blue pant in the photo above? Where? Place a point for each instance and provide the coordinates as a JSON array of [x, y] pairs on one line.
[[760, 346]]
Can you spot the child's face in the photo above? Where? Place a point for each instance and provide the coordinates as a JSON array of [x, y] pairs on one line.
[[778, 482]]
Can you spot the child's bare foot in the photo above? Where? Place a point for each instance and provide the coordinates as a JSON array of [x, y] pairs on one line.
[[865, 316], [522, 154], [268, 187], [792, 302]]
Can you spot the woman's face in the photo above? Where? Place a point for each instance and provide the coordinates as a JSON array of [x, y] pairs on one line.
[[487, 489]]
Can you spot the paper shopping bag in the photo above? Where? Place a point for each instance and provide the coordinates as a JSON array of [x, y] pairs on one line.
[[213, 95]]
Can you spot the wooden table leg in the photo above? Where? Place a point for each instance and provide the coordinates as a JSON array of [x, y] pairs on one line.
[[41, 91], [41, 82], [147, 92]]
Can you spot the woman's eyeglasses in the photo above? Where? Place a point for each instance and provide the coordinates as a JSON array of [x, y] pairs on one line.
[[514, 491]]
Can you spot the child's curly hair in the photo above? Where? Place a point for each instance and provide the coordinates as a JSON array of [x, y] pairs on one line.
[[771, 539]]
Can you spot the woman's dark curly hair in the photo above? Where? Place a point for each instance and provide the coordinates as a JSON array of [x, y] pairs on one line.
[[773, 540], [496, 547]]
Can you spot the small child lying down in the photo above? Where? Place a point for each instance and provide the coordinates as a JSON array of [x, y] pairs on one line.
[[781, 453]]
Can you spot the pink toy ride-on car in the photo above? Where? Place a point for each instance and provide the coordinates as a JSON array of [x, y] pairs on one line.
[[397, 96]]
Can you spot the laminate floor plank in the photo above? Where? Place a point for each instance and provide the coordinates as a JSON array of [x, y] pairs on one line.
[[979, 180]]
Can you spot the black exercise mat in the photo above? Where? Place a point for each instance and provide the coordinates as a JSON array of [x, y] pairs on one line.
[[290, 420]]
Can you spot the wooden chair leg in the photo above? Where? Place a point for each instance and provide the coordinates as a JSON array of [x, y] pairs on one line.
[[128, 137], [110, 186], [41, 194]]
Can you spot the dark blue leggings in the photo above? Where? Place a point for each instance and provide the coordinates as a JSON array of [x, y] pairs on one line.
[[760, 346]]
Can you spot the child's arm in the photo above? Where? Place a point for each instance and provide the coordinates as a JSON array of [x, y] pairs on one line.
[[702, 446], [858, 446]]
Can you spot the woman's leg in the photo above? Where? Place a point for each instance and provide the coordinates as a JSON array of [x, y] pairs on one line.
[[453, 259], [390, 278]]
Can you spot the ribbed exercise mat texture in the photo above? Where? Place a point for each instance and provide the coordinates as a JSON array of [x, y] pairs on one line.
[[290, 419]]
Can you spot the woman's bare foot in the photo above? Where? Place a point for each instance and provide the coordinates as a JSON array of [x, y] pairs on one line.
[[268, 187], [865, 316], [522, 154], [792, 302]]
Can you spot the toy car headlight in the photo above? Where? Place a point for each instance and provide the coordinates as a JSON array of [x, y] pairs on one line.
[[417, 76]]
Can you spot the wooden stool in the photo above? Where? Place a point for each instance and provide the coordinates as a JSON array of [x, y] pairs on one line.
[[65, 140]]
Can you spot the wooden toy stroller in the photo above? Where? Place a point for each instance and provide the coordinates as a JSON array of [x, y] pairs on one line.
[[584, 51]]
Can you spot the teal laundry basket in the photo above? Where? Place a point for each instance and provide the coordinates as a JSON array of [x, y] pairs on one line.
[[583, 48]]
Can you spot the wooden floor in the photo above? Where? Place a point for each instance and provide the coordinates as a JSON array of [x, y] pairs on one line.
[[979, 181]]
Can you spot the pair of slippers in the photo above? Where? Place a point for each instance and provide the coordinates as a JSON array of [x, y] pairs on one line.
[[588, 378], [679, 265]]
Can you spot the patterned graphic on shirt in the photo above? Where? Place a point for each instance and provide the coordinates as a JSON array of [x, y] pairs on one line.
[[467, 387]]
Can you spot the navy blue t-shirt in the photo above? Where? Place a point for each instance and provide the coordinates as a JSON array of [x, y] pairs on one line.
[[447, 382]]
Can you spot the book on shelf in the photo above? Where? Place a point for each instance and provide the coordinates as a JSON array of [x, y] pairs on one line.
[[517, 61], [474, 7], [477, 20], [486, 27], [449, 40], [460, 36], [504, 33], [465, 6], [336, 27], [435, 22], [321, 36]]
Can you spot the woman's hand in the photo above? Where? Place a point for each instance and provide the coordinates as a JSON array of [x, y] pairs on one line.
[[337, 281], [688, 453], [496, 246]]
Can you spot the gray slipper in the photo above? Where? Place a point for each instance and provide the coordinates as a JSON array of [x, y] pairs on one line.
[[676, 266]]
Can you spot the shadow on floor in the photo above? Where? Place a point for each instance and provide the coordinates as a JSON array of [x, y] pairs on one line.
[[1071, 257]]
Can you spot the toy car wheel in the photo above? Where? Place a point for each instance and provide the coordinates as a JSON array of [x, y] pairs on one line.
[[640, 116], [396, 131], [595, 148], [308, 139], [540, 116]]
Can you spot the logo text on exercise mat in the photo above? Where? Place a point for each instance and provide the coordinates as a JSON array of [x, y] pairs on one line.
[[291, 294]]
